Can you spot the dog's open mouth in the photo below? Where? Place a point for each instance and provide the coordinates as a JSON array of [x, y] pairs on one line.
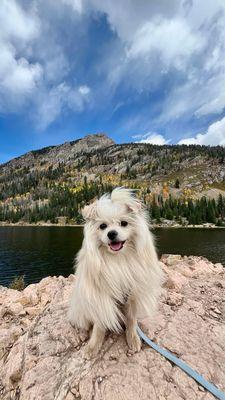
[[116, 245]]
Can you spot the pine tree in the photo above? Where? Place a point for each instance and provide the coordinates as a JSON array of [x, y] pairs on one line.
[[177, 184]]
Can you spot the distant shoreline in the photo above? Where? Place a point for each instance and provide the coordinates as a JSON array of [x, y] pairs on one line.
[[153, 226], [43, 224]]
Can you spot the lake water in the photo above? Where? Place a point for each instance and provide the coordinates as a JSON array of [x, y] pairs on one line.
[[37, 252]]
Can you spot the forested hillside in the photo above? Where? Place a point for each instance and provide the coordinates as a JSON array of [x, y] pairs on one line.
[[182, 183]]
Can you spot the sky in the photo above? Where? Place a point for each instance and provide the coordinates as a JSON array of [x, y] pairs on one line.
[[138, 70]]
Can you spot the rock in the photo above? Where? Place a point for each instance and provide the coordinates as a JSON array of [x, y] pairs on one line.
[[32, 311], [218, 265], [175, 281], [213, 314], [173, 259], [174, 299], [30, 295], [41, 355], [215, 309], [69, 396]]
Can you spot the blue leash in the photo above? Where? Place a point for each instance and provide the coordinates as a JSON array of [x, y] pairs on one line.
[[195, 375]]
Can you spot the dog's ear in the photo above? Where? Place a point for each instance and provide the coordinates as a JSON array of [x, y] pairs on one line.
[[134, 206], [89, 211], [127, 197]]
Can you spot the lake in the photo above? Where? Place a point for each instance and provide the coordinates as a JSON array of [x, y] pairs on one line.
[[37, 252]]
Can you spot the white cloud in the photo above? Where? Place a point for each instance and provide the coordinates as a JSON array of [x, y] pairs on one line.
[[174, 48], [49, 105], [75, 4], [153, 138], [197, 97], [17, 23], [18, 76], [200, 91], [126, 17], [52, 104], [166, 38], [215, 135], [56, 67], [84, 90], [77, 99], [158, 37], [212, 94], [34, 68]]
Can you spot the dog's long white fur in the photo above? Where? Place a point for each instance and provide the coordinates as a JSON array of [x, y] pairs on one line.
[[104, 280]]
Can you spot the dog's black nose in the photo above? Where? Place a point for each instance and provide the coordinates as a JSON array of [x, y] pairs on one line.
[[112, 235]]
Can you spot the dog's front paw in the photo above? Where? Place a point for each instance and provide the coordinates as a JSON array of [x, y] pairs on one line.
[[90, 351], [133, 341], [83, 335]]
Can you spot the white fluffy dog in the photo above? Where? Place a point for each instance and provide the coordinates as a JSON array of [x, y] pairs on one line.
[[118, 276]]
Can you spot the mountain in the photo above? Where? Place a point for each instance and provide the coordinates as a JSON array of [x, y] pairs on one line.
[[56, 181], [59, 154]]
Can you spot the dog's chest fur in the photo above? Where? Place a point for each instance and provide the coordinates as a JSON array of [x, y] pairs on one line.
[[119, 275]]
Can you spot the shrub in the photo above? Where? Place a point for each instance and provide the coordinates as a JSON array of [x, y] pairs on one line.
[[18, 283]]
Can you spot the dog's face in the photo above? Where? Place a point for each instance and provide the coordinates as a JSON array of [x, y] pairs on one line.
[[112, 222], [115, 233]]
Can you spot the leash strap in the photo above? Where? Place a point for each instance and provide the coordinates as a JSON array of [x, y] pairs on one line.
[[181, 364]]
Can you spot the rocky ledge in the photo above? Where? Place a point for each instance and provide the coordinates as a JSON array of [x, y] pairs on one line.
[[41, 355]]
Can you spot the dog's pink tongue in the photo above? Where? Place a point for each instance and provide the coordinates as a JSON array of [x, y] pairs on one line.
[[116, 245]]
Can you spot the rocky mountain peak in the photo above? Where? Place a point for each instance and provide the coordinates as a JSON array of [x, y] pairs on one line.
[[94, 141], [62, 152], [101, 137]]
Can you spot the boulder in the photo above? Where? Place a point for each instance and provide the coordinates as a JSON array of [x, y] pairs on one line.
[[41, 355]]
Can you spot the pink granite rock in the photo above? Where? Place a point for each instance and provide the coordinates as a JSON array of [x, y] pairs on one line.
[[41, 356]]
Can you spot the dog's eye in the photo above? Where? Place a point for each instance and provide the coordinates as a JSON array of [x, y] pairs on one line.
[[103, 226], [123, 223]]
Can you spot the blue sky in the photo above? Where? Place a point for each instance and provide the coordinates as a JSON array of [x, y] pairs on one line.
[[149, 71]]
